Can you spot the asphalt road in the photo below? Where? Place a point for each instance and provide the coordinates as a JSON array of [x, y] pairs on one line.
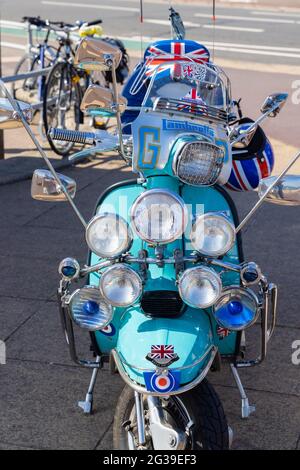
[[39, 386], [242, 34]]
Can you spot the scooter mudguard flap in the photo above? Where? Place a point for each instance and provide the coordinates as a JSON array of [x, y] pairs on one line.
[[187, 338]]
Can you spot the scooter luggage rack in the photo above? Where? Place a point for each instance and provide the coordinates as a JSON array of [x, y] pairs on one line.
[[192, 110], [120, 363]]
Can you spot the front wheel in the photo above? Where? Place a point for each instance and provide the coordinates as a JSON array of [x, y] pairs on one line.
[[201, 405]]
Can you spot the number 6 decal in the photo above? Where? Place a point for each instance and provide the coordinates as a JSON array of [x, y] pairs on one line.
[[149, 147]]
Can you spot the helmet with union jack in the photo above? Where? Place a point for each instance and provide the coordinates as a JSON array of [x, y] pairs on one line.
[[252, 163]]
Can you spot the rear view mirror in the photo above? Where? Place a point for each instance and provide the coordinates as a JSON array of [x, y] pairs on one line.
[[285, 192], [95, 54], [44, 186], [98, 100], [243, 133], [9, 118], [274, 103]]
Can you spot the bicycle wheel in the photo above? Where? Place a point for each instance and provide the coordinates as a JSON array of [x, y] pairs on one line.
[[26, 90], [61, 104]]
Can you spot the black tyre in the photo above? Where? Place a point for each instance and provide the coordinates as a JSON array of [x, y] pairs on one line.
[[62, 98], [26, 90], [201, 405]]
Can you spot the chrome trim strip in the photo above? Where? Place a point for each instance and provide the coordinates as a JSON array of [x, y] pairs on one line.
[[192, 110], [141, 389]]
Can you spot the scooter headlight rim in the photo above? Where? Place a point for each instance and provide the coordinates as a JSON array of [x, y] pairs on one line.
[[236, 293], [202, 238], [110, 276], [200, 274], [82, 308], [120, 235], [150, 199]]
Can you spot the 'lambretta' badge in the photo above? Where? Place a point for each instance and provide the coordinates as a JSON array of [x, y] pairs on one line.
[[162, 355]]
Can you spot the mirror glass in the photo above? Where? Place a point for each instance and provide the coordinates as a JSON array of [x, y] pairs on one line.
[[9, 118], [274, 102], [98, 100], [95, 54], [285, 192], [44, 187]]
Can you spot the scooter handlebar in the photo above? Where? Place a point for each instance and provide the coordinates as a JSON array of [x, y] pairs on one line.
[[67, 135]]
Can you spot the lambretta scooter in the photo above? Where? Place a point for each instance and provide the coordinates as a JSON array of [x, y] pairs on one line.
[[168, 295]]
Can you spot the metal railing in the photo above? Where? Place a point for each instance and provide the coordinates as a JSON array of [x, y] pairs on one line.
[[24, 76]]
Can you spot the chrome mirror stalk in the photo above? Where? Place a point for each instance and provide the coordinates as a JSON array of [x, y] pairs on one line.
[[18, 110]]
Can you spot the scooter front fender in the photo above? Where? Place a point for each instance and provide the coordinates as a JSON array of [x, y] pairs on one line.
[[190, 335]]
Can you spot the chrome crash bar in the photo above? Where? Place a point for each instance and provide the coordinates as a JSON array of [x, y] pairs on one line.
[[268, 323], [185, 388]]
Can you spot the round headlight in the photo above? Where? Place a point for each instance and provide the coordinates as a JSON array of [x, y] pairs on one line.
[[108, 235], [120, 285], [89, 310], [200, 287], [212, 234], [236, 309], [159, 216], [197, 162]]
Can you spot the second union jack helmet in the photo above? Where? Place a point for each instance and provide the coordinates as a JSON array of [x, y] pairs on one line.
[[252, 163]]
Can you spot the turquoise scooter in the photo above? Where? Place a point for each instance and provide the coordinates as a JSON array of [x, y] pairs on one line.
[[168, 294]]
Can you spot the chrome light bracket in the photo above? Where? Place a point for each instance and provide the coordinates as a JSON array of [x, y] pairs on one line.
[[179, 262], [68, 330], [268, 312], [143, 267]]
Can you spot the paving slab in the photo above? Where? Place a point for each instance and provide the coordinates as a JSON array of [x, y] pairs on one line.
[[274, 426], [277, 374], [14, 312], [34, 280], [38, 406], [42, 337]]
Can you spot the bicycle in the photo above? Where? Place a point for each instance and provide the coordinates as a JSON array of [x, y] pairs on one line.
[[64, 87]]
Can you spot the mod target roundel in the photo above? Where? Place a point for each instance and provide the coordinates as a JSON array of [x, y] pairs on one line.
[[109, 330]]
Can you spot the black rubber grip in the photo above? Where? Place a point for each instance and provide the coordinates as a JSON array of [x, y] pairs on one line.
[[91, 23], [71, 136]]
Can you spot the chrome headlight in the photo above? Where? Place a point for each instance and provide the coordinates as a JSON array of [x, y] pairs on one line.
[[89, 310], [108, 235], [159, 216], [212, 234], [236, 309], [198, 163], [200, 287], [120, 285]]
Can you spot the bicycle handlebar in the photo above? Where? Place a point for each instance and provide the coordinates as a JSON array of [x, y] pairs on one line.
[[57, 25], [92, 23]]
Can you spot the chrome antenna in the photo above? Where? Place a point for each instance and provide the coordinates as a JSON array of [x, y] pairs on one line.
[[261, 200]]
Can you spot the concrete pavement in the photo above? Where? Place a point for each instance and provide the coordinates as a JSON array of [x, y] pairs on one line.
[[39, 384]]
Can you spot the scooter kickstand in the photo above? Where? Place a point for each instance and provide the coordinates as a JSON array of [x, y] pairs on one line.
[[247, 409], [87, 405]]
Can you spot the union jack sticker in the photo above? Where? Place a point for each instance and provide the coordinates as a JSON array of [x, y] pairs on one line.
[[222, 332], [162, 355]]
